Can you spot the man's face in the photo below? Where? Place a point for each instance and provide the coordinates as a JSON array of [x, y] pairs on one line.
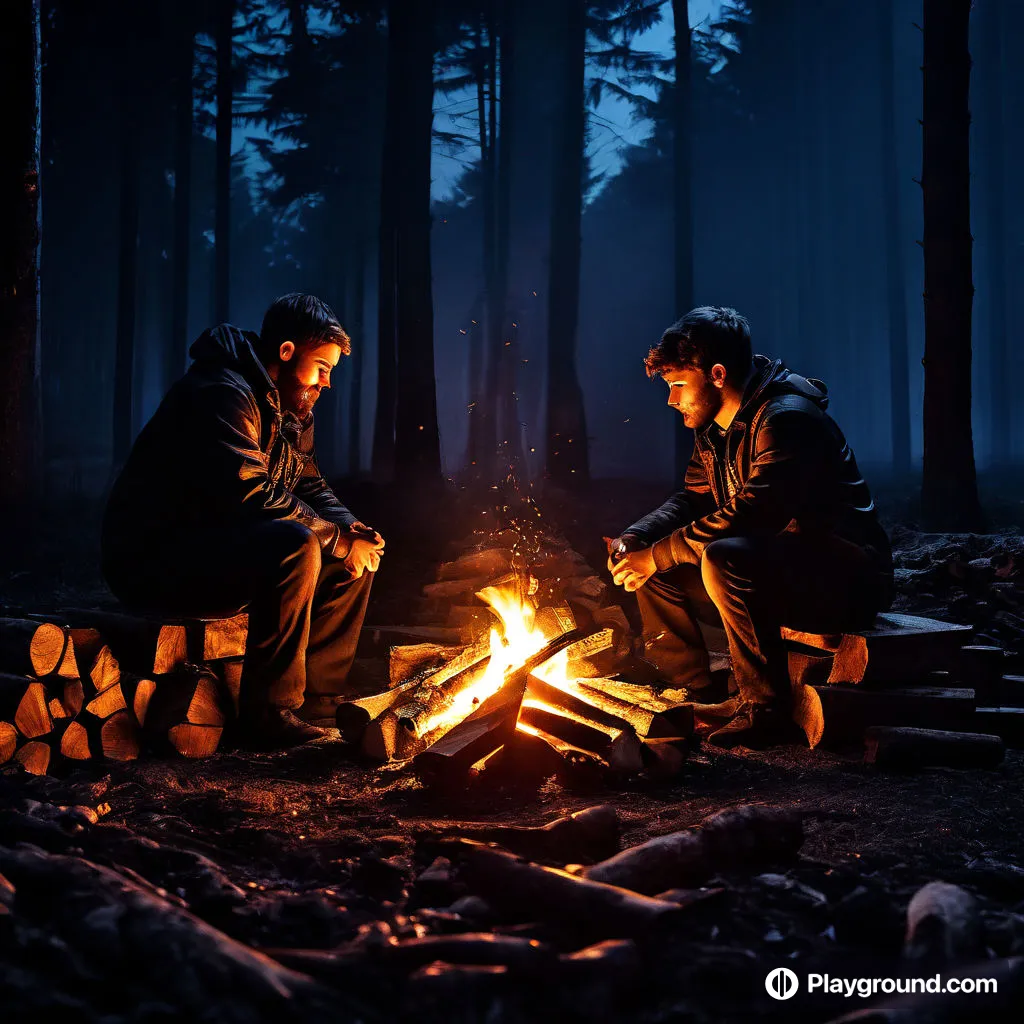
[[693, 394], [305, 372]]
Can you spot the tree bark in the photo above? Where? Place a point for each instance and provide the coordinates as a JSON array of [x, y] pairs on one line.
[[899, 370], [20, 409], [568, 463], [222, 216], [417, 438], [682, 201], [949, 494], [1001, 375], [128, 254], [182, 195]]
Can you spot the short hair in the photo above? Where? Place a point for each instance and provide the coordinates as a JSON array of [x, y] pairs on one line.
[[303, 319], [705, 336]]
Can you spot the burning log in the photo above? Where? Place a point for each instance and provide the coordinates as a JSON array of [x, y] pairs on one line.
[[541, 893], [354, 716], [481, 734], [552, 755], [733, 839], [23, 703], [619, 748], [907, 747], [31, 648], [432, 713], [408, 660], [589, 834]]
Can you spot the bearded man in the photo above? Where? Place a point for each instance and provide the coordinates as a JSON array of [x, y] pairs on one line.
[[221, 507], [774, 527]]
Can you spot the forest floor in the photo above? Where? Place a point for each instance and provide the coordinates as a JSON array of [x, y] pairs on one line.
[[301, 849]]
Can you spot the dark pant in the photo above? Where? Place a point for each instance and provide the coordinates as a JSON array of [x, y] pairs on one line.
[[305, 611], [752, 587]]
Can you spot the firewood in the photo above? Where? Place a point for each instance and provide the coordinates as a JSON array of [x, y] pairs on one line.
[[489, 562], [489, 727], [221, 638], [538, 893], [23, 703], [213, 975], [30, 648], [619, 748], [142, 645], [906, 747], [34, 756], [354, 716], [943, 924], [981, 667], [186, 712], [113, 735], [408, 660], [548, 755], [70, 693], [743, 837], [1005, 722], [589, 834], [449, 590], [8, 741], [229, 672], [484, 948]]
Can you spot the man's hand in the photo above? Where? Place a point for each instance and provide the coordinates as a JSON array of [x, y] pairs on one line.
[[618, 546], [365, 551], [634, 569]]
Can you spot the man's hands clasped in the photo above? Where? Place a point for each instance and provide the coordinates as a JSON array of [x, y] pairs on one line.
[[365, 551], [631, 566]]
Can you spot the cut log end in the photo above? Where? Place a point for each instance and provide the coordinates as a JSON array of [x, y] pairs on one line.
[[119, 737], [8, 741], [34, 757], [195, 740], [74, 744]]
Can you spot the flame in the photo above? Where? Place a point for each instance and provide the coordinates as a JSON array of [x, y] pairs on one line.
[[516, 641]]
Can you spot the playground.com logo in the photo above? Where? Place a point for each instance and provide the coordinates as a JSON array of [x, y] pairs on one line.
[[782, 983]]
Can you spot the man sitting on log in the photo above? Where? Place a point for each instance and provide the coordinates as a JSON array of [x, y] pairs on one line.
[[221, 506], [774, 527]]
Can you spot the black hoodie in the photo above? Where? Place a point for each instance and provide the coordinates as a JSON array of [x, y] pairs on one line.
[[787, 467], [219, 454]]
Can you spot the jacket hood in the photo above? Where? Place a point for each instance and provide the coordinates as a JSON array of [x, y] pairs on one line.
[[230, 347], [771, 379]]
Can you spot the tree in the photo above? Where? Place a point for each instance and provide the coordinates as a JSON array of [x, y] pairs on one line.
[[19, 253], [225, 100], [567, 456], [682, 200], [899, 371], [949, 494]]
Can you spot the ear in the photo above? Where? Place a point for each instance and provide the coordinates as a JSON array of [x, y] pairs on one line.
[[286, 351], [718, 375]]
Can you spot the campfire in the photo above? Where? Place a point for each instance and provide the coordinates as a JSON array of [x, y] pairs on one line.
[[533, 691]]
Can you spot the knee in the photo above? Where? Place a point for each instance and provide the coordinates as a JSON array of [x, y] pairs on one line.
[[292, 546], [721, 563]]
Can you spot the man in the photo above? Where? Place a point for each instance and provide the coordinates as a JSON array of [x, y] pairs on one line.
[[220, 506], [774, 527]]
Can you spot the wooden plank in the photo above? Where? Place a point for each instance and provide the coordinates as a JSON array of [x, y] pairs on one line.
[[850, 710], [898, 648]]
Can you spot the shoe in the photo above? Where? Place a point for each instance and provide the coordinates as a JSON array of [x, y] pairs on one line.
[[277, 729], [321, 709], [758, 726]]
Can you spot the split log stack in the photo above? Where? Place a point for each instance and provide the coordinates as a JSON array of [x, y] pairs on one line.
[[85, 684]]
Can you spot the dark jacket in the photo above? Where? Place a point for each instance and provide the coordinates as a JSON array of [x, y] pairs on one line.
[[218, 454], [787, 467]]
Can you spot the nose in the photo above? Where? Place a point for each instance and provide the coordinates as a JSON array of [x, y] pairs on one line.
[[673, 398], [325, 380]]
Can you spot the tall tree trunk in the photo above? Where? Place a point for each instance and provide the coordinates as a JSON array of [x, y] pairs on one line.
[[222, 215], [128, 253], [417, 438], [478, 339], [383, 456], [567, 456], [899, 370], [1000, 373], [949, 495], [20, 415], [682, 201], [182, 194], [357, 316]]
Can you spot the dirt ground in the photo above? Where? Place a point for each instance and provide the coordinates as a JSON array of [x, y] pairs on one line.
[[306, 847]]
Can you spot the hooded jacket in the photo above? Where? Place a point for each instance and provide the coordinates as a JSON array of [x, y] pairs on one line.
[[218, 454], [787, 468]]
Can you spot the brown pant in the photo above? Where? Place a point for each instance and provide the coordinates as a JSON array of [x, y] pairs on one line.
[[752, 587], [305, 611]]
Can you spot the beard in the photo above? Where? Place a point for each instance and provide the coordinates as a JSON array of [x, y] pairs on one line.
[[297, 398], [702, 408]]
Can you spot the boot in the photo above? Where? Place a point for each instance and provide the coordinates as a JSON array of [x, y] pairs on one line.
[[758, 726], [276, 729]]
